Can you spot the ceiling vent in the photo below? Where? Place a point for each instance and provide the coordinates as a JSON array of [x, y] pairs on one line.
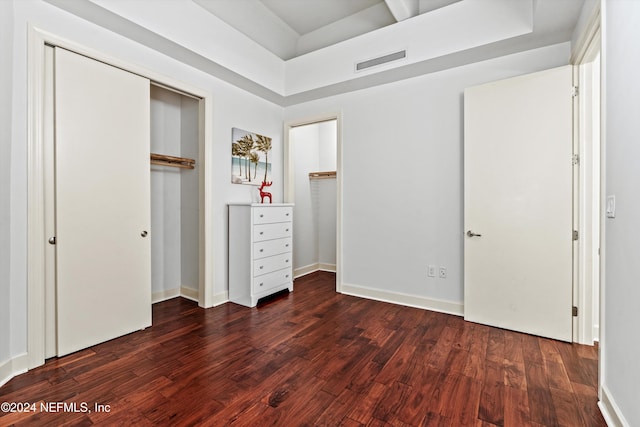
[[381, 60]]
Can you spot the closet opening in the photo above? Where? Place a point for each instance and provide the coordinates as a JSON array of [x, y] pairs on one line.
[[175, 195], [313, 187], [43, 298], [143, 209]]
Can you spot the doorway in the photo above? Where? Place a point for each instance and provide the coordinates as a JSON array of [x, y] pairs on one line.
[[175, 248], [312, 184]]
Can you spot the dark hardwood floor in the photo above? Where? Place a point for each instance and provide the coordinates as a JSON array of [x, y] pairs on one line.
[[313, 357]]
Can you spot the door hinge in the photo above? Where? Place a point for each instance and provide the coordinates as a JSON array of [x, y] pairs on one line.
[[575, 159], [574, 311], [574, 91], [576, 235]]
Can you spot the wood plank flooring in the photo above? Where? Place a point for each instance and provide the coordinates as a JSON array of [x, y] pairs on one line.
[[313, 358]]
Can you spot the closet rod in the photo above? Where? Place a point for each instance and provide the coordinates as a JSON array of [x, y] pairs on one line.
[[178, 162], [322, 175]]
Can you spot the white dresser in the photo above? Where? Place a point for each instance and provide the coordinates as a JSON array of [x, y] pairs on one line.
[[260, 251]]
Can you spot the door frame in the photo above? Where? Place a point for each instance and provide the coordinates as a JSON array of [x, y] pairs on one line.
[[588, 40], [36, 236], [587, 47], [289, 176]]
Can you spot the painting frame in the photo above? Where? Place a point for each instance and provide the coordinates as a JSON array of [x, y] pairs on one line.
[[250, 163]]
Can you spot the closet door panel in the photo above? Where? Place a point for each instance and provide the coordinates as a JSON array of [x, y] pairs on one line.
[[103, 269]]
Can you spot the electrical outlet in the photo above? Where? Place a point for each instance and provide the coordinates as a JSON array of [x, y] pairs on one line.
[[443, 272], [431, 271]]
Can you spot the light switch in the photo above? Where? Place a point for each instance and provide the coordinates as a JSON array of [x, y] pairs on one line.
[[611, 207]]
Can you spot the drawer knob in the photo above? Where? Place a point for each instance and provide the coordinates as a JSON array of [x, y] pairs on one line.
[[261, 284], [287, 213], [286, 229], [261, 267], [286, 246], [286, 260], [261, 250], [287, 276], [261, 215], [261, 233]]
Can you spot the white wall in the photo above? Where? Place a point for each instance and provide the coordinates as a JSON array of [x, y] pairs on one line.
[[165, 192], [402, 174], [314, 150], [327, 195], [17, 197], [620, 354], [231, 108], [304, 142], [6, 40], [189, 195]]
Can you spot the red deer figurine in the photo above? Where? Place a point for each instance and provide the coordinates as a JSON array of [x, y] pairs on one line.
[[264, 194]]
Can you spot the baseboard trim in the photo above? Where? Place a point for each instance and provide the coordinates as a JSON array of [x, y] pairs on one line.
[[220, 299], [311, 268], [441, 306], [327, 267], [610, 410], [188, 293], [12, 367], [307, 269], [164, 295], [184, 292]]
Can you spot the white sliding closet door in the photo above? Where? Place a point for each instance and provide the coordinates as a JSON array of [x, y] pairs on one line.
[[102, 202]]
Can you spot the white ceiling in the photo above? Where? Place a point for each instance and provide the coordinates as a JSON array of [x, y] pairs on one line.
[[235, 40], [289, 28], [304, 16]]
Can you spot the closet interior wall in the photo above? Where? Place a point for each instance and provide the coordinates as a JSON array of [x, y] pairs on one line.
[[314, 150], [174, 197]]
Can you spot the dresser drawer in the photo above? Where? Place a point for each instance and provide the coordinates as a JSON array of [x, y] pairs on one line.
[[271, 247], [271, 231], [271, 280], [272, 263], [265, 215]]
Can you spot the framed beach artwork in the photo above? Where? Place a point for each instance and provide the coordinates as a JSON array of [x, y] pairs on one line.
[[249, 157]]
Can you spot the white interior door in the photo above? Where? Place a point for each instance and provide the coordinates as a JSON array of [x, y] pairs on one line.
[[518, 200], [103, 274]]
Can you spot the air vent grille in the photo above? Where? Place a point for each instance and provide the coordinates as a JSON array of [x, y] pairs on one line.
[[381, 60]]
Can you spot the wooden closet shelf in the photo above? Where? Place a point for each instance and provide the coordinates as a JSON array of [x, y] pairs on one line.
[[178, 162], [322, 175]]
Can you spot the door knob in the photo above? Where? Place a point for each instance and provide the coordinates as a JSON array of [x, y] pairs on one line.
[[52, 240], [472, 234]]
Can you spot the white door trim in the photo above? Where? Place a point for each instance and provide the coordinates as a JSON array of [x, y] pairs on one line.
[[585, 51], [588, 43], [36, 237], [588, 203], [289, 181]]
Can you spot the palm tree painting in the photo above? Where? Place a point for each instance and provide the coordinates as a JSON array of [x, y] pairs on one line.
[[264, 146], [249, 157]]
